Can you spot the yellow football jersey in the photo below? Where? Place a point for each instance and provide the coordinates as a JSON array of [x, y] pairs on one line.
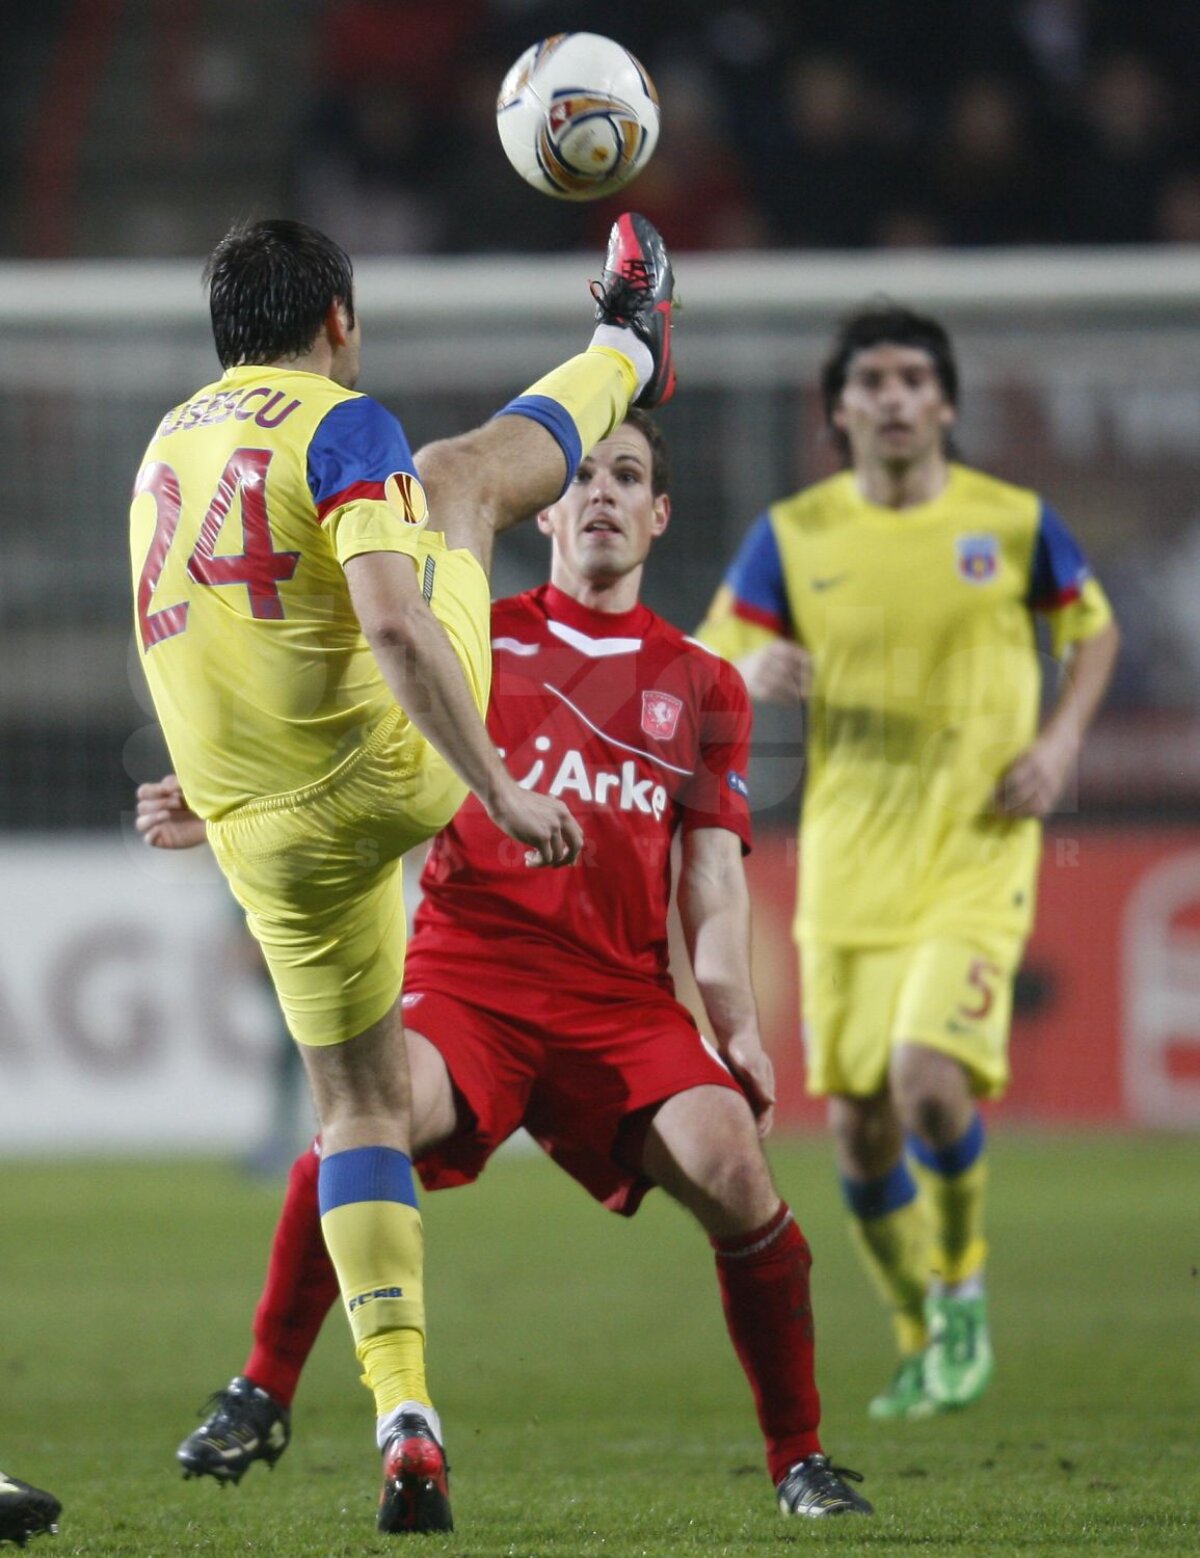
[[252, 496], [926, 686]]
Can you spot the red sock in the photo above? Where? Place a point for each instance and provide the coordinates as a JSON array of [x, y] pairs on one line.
[[299, 1291], [764, 1289]]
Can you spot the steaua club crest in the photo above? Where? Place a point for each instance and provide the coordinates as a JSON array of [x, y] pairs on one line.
[[978, 558], [660, 714]]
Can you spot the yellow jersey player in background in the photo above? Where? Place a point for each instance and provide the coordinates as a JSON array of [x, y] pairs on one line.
[[313, 619], [898, 598]]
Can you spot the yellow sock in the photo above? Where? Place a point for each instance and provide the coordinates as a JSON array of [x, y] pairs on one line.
[[394, 1368], [374, 1236], [957, 1201], [955, 1179], [896, 1251], [890, 1229], [581, 401]]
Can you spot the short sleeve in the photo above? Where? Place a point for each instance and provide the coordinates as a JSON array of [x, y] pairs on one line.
[[718, 795], [751, 607], [1062, 584], [363, 481]]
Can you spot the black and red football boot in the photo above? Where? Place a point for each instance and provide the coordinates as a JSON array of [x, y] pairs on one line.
[[637, 291], [416, 1479]]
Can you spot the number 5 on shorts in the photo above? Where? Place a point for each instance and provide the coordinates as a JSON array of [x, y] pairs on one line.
[[981, 978]]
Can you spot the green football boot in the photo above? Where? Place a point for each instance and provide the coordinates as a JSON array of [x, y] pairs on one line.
[[906, 1395], [958, 1360]]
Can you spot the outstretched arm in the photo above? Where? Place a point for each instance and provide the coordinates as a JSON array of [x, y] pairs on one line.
[[714, 906], [1038, 777], [426, 678]]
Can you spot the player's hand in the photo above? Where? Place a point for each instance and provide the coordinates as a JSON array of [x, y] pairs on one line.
[[541, 821], [164, 818], [1036, 780], [752, 1068], [781, 672]]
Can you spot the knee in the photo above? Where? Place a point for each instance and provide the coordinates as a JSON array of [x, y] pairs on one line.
[[933, 1096], [741, 1190], [931, 1119], [439, 464], [867, 1136], [450, 474], [703, 1149], [728, 1188]]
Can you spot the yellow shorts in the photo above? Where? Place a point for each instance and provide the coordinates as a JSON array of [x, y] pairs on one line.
[[859, 1003], [317, 870]]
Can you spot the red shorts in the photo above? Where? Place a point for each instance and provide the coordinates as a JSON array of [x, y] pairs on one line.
[[582, 1072]]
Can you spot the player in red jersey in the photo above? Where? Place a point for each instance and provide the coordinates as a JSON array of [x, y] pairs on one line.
[[645, 735]]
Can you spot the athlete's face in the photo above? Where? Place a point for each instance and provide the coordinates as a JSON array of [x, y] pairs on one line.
[[604, 523], [893, 409]]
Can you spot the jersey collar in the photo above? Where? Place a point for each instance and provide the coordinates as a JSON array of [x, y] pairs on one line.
[[596, 624]]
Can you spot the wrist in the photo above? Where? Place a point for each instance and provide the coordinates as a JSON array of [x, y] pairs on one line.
[[1064, 739], [498, 786], [744, 1037]]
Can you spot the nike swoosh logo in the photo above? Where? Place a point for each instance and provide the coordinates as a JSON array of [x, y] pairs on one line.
[[829, 581]]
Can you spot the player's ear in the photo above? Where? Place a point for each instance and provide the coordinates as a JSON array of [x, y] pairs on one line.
[[337, 323], [949, 414], [544, 523], [662, 514]]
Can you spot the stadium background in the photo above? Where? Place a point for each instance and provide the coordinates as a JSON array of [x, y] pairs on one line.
[[1029, 170]]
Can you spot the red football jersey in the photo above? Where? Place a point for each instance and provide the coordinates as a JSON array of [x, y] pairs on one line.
[[640, 731]]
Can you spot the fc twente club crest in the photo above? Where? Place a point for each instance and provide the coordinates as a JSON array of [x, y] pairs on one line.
[[660, 714]]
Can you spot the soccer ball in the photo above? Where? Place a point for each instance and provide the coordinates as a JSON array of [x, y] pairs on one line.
[[578, 116]]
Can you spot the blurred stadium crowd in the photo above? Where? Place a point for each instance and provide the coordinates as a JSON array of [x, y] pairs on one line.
[[137, 129], [826, 124]]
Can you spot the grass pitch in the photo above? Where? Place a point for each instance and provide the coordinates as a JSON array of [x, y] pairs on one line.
[[592, 1403]]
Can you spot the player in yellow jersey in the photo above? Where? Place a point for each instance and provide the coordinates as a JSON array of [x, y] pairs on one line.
[[313, 620], [898, 598]]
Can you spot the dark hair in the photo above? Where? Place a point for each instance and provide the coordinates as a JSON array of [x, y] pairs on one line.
[[887, 322], [660, 468], [270, 285]]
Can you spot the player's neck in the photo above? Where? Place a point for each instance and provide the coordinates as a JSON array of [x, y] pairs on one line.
[[317, 361], [611, 596], [903, 486]]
